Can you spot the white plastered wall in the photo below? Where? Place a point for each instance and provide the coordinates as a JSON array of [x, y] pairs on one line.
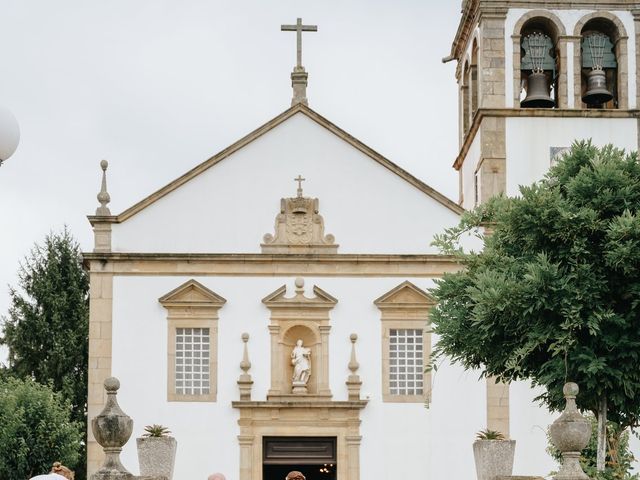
[[469, 167], [229, 207], [529, 141], [398, 439], [569, 18]]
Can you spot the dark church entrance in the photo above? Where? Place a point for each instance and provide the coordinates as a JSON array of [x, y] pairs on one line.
[[315, 457]]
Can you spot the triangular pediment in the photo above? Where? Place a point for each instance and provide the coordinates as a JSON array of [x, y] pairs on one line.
[[259, 132], [279, 297], [406, 294], [192, 293]]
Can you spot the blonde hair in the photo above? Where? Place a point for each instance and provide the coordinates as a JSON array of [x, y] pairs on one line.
[[62, 470]]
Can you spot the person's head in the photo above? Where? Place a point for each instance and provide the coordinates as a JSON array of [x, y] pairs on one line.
[[299, 343], [295, 475], [216, 476], [62, 470]]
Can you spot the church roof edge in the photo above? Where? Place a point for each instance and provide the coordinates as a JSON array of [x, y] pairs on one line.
[[257, 133]]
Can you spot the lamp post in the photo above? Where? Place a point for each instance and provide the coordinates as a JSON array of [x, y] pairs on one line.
[[9, 134]]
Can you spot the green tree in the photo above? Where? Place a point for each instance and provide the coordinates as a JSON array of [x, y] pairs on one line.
[[555, 293], [36, 429], [47, 328]]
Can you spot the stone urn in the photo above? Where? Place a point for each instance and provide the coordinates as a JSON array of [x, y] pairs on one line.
[[112, 428], [570, 433], [493, 458], [157, 456]]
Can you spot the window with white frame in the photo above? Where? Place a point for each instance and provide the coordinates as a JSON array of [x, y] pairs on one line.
[[406, 361], [192, 361]]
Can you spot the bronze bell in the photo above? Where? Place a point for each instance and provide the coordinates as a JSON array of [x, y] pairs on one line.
[[538, 92], [597, 92]]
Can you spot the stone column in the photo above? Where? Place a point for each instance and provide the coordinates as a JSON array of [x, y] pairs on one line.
[[492, 51], [276, 362], [323, 373], [100, 314], [517, 74], [353, 454], [498, 406], [622, 57], [563, 74], [636, 29], [492, 157], [246, 456]]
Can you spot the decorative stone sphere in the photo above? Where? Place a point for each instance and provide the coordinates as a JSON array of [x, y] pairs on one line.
[[245, 337], [299, 282], [353, 337], [104, 164], [570, 389], [112, 384], [9, 134]]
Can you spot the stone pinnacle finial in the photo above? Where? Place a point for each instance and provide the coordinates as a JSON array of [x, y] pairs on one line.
[[353, 382], [245, 382], [103, 196], [299, 76], [112, 428], [570, 433], [353, 363]]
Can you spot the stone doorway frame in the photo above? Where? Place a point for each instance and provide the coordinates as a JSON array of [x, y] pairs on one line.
[[300, 419]]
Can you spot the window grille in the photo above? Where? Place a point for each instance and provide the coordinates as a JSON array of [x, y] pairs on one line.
[[192, 361], [406, 366]]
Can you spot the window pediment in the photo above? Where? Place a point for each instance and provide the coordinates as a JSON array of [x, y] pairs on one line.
[[192, 294]]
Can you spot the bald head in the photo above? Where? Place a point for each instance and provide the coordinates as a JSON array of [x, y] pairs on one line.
[[216, 476]]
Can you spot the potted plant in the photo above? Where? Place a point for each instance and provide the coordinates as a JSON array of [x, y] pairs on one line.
[[493, 454], [156, 452]]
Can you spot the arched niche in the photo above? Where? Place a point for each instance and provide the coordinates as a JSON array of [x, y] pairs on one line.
[[310, 339], [617, 79], [293, 318], [550, 24]]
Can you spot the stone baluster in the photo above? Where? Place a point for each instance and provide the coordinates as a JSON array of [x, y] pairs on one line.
[[570, 433], [245, 382], [112, 428], [353, 382]]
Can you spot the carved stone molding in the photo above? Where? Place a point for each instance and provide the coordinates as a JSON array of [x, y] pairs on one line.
[[299, 228], [307, 319], [405, 307], [192, 305], [285, 419]]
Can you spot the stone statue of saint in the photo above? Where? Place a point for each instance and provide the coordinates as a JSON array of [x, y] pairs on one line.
[[301, 361]]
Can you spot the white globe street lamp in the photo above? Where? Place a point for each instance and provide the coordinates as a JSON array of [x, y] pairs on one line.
[[9, 134]]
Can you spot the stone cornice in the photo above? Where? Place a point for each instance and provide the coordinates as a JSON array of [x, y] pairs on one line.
[[349, 404], [534, 113], [204, 264]]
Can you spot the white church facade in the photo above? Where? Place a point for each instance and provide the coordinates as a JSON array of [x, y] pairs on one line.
[[271, 306]]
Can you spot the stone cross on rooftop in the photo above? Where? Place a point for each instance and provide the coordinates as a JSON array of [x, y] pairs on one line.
[[299, 180], [299, 28], [299, 76]]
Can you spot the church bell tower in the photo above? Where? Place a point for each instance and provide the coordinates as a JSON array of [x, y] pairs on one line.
[[533, 77]]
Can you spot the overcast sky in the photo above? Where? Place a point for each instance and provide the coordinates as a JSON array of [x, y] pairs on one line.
[[158, 86]]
